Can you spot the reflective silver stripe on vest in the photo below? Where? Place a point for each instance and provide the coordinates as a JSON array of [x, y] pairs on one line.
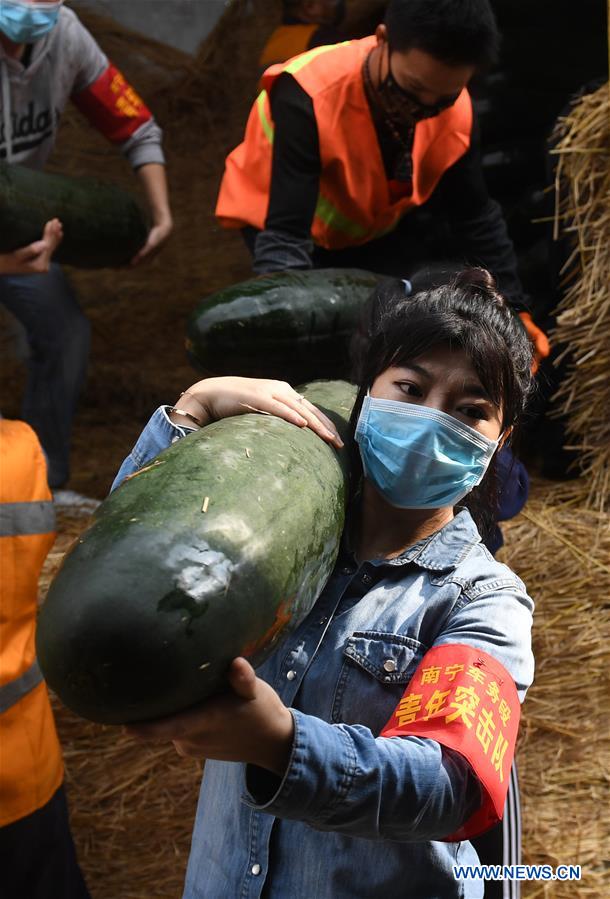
[[16, 689], [21, 519]]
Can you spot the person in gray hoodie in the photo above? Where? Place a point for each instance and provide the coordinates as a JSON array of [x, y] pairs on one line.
[[47, 57]]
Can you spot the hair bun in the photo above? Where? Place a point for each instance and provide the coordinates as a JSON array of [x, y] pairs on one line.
[[479, 280]]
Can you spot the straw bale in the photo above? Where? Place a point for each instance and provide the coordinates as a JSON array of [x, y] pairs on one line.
[[562, 552], [132, 808], [583, 323]]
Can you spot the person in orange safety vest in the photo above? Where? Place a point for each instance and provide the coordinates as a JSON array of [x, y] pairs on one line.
[[37, 857], [305, 24], [366, 154]]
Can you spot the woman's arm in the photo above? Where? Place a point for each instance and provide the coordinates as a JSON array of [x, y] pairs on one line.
[[342, 777], [332, 777], [403, 787], [214, 398]]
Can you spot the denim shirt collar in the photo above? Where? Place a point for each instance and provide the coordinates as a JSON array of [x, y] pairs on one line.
[[442, 551]]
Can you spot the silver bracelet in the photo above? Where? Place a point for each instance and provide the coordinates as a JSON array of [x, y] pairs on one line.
[[188, 415]]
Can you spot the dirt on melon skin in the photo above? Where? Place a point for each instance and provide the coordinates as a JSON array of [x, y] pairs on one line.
[[103, 225], [157, 597], [293, 324]]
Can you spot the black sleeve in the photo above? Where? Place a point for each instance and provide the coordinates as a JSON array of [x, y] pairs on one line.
[[478, 222], [286, 241]]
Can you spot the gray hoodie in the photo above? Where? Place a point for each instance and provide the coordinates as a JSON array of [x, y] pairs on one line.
[[62, 65]]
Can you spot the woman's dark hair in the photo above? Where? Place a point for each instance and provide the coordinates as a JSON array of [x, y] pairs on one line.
[[463, 308], [456, 32]]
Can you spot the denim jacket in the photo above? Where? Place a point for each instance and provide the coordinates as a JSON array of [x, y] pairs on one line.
[[357, 815]]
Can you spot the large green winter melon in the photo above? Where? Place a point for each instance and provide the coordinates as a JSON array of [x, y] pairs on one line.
[[294, 324], [218, 548], [103, 224]]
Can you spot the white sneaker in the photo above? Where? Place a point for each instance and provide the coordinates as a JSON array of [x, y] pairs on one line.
[[75, 502]]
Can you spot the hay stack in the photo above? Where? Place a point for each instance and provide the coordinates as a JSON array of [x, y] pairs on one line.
[[583, 324], [132, 809], [562, 552]]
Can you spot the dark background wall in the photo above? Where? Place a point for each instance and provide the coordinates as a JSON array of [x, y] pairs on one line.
[[181, 23]]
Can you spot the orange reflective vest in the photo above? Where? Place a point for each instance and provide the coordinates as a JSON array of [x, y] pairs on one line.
[[356, 202], [31, 768], [285, 42]]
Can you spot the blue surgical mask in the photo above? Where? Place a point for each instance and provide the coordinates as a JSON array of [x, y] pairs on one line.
[[417, 457], [24, 23]]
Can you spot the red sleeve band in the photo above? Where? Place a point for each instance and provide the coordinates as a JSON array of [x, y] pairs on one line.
[[464, 699], [112, 106]]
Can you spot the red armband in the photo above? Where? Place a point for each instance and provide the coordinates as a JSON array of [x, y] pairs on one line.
[[466, 700], [112, 106]]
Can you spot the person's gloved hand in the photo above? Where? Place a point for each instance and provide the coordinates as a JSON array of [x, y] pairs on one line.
[[542, 347]]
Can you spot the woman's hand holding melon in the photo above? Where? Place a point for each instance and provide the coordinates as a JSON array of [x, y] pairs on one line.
[[216, 398], [250, 724]]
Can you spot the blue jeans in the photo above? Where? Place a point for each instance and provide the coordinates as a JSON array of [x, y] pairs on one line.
[[58, 337]]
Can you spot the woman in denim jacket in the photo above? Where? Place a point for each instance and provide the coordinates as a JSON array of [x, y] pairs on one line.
[[374, 742]]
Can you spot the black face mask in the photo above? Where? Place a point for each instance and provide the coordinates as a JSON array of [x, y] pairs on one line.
[[403, 107]]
